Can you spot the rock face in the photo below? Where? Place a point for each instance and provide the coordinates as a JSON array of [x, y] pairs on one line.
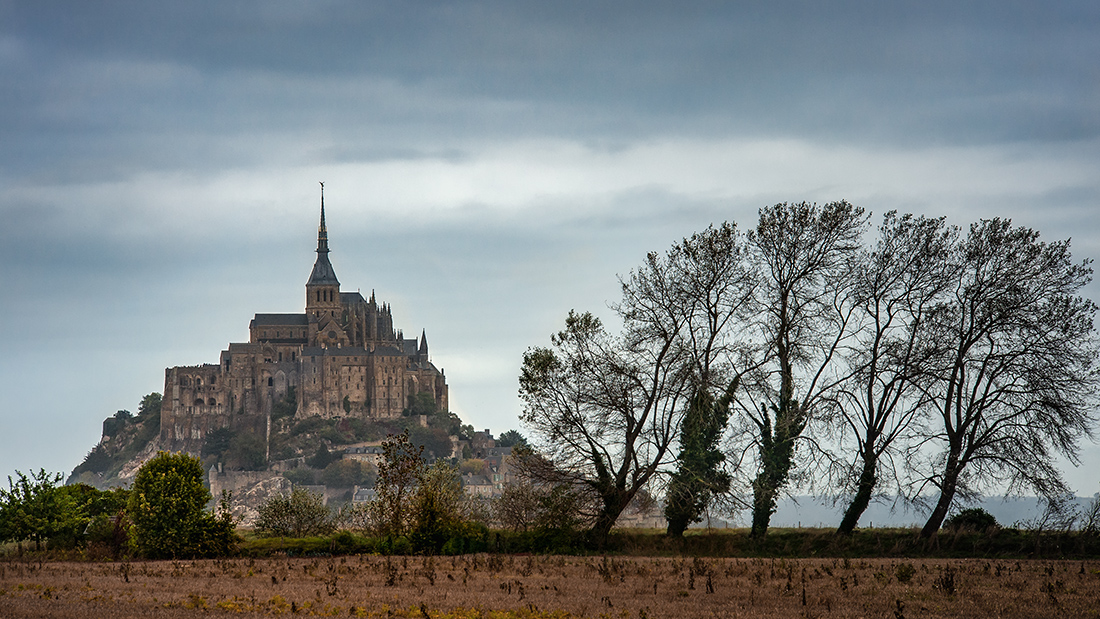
[[249, 490]]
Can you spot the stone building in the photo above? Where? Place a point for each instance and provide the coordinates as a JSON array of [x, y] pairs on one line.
[[341, 357]]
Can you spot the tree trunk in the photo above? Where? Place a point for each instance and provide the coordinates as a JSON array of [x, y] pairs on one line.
[[947, 494], [864, 491], [763, 506]]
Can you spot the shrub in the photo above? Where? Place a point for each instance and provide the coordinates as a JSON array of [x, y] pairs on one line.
[[974, 519]]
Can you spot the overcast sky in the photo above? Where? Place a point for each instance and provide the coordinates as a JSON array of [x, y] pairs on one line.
[[487, 166]]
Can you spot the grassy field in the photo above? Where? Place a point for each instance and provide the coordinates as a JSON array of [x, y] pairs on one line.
[[502, 586]]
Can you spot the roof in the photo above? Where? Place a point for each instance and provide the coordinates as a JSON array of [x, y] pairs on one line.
[[280, 320], [350, 351], [351, 297], [323, 272]]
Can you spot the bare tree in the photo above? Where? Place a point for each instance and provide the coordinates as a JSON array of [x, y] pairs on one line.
[[1014, 377], [898, 283], [805, 254], [608, 408]]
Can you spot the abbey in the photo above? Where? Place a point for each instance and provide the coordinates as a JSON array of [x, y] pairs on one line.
[[341, 357]]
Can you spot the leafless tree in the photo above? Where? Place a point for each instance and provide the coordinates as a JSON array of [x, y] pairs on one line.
[[1012, 378], [606, 408], [805, 254], [897, 284]]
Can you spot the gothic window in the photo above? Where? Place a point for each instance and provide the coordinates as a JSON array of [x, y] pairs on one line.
[[270, 382]]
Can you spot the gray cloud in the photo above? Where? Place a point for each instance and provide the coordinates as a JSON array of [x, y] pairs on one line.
[[491, 165]]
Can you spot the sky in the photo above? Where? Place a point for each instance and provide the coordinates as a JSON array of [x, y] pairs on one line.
[[488, 166]]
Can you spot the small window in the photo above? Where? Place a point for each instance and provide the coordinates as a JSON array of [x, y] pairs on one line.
[[212, 402], [270, 381]]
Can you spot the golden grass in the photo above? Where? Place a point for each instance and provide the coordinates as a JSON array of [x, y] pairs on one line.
[[535, 587]]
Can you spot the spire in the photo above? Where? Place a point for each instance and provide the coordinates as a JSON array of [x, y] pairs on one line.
[[424, 342], [322, 274], [322, 232]]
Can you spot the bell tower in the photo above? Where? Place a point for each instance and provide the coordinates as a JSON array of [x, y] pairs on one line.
[[323, 289]]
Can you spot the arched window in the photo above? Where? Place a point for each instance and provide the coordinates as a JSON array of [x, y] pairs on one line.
[[212, 402], [270, 382], [198, 402]]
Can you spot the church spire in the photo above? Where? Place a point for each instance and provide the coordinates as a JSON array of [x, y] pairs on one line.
[[323, 273], [322, 232]]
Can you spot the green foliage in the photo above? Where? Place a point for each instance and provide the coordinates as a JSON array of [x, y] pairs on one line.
[[247, 452], [973, 519], [37, 508], [698, 476], [308, 425], [399, 471], [436, 508], [435, 441], [422, 403], [98, 460], [512, 438], [217, 442], [301, 513], [348, 473], [167, 509], [285, 407], [322, 457], [150, 406]]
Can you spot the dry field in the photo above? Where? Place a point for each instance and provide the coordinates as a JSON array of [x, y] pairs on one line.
[[535, 586]]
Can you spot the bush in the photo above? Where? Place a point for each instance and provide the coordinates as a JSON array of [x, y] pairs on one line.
[[974, 519]]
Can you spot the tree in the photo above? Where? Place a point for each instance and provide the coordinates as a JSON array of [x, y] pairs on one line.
[[435, 441], [1013, 380], [299, 514], [399, 472], [37, 508], [167, 509], [436, 507], [512, 438], [699, 475], [348, 473], [898, 283], [607, 407], [805, 256]]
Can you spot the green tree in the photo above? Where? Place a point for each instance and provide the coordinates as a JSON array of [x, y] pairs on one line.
[[422, 403], [217, 442], [512, 438], [699, 475], [435, 441], [322, 457], [399, 471], [348, 473], [150, 406], [298, 514], [167, 509], [436, 507], [37, 508], [247, 452]]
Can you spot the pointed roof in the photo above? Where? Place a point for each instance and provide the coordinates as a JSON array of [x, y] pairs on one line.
[[424, 342], [323, 273]]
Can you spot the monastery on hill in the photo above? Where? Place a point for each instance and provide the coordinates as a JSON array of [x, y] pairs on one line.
[[342, 357]]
